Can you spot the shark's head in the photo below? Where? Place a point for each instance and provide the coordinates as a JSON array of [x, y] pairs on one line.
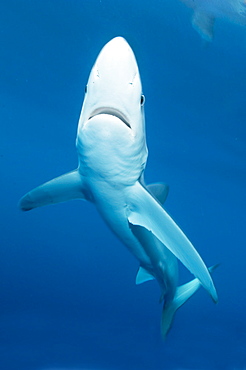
[[113, 108], [114, 86]]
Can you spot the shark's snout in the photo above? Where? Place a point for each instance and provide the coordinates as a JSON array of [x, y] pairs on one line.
[[117, 43]]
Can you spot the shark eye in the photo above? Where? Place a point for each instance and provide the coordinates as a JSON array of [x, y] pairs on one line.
[[85, 89], [142, 101]]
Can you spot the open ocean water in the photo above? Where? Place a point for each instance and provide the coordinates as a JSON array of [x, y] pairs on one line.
[[68, 299]]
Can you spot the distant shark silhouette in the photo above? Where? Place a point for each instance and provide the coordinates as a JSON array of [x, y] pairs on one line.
[[206, 11], [112, 155]]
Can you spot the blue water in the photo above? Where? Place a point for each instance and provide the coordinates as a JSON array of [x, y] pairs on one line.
[[68, 298]]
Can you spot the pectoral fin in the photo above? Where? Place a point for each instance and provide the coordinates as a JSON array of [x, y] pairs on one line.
[[145, 211], [203, 24], [60, 189]]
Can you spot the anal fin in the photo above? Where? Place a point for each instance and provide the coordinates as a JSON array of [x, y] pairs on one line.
[[143, 276]]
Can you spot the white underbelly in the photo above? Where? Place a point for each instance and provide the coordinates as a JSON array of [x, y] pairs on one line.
[[111, 204]]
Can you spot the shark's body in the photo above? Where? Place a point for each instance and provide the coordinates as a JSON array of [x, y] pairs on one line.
[[112, 156], [206, 11]]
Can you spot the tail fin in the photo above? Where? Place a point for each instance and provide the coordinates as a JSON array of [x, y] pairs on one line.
[[183, 293]]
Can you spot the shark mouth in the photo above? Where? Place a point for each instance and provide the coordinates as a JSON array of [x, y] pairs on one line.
[[111, 112]]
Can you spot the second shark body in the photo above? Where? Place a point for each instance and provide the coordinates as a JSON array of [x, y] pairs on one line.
[[206, 11], [112, 156]]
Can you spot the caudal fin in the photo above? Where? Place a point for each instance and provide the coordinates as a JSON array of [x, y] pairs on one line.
[[183, 293]]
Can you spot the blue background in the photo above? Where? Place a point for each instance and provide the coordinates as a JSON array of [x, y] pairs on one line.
[[68, 298]]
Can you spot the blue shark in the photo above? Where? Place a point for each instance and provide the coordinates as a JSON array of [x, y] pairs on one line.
[[112, 155], [206, 11]]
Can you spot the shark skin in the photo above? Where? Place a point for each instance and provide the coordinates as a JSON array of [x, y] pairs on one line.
[[206, 11], [112, 155]]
